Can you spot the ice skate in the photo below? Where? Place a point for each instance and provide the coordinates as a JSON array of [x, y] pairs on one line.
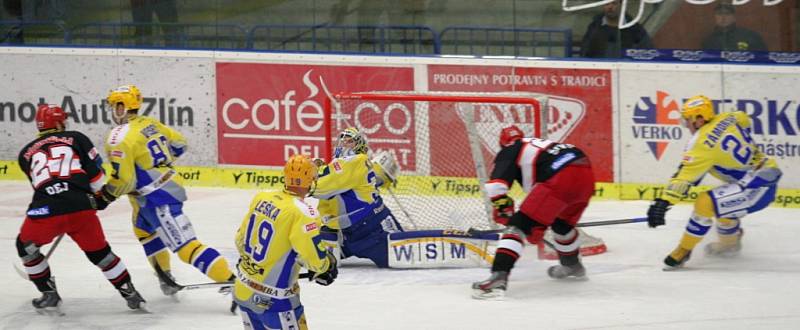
[[167, 288], [575, 271], [677, 259], [493, 288], [726, 247], [48, 304], [132, 297]]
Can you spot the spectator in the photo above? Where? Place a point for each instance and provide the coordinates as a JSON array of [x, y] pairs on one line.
[[13, 35], [728, 36], [167, 12], [603, 38]]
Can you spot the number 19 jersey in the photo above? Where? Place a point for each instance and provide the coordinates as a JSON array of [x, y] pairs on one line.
[[279, 233]]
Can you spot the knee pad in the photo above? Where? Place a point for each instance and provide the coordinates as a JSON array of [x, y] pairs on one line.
[[524, 223], [27, 251], [561, 227], [704, 206]]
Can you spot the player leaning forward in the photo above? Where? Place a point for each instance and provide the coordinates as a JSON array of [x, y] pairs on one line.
[[141, 151], [65, 172], [559, 182], [722, 146], [280, 232]]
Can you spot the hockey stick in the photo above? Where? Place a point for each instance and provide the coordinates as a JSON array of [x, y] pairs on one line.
[[169, 281], [580, 224], [22, 272]]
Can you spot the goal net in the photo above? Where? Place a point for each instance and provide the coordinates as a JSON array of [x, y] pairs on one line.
[[444, 143]]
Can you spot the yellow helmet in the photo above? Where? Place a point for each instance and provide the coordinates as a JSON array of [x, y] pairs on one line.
[[698, 106], [128, 95], [299, 172]]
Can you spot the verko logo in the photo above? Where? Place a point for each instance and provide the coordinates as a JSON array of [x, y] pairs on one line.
[[657, 122]]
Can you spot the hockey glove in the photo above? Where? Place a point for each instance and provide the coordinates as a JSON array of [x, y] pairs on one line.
[[103, 198], [503, 209], [655, 214], [327, 277]]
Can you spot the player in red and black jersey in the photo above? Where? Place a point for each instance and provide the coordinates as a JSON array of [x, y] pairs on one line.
[[558, 181], [65, 171]]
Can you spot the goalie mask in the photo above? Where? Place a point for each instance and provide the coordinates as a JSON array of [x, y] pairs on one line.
[[509, 135], [49, 117], [350, 143], [123, 99], [300, 175]]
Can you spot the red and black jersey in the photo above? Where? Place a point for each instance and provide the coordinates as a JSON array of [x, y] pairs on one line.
[[528, 161], [65, 170]]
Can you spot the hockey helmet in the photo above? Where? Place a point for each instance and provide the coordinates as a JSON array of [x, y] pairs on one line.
[[48, 116], [128, 95], [509, 135], [299, 172], [350, 142], [698, 106]]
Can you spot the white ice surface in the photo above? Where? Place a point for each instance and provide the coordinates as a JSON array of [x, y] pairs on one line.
[[626, 288]]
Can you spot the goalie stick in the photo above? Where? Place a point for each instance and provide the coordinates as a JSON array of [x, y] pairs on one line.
[[580, 224]]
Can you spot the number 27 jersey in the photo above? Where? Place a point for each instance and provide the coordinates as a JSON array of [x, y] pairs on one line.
[[64, 169]]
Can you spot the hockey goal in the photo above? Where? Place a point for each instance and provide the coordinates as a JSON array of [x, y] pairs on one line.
[[444, 143]]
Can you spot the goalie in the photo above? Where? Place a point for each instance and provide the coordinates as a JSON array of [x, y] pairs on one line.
[[349, 198]]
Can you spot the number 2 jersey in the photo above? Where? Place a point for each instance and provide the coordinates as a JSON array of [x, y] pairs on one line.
[[723, 148], [279, 231], [141, 152], [65, 170], [347, 189], [528, 161]]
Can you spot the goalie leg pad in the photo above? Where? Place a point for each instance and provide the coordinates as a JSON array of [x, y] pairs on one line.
[[440, 249]]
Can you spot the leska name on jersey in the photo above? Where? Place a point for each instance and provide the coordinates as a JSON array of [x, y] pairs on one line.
[[167, 110]]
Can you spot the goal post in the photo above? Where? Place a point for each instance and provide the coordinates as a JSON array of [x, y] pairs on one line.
[[444, 142]]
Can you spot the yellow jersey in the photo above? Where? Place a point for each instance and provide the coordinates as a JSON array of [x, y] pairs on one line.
[[723, 148], [279, 233], [141, 152], [347, 189]]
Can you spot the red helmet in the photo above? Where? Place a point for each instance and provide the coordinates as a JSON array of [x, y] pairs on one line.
[[510, 134], [48, 115]]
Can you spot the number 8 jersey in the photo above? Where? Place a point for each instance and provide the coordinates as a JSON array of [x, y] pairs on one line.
[[723, 148], [141, 152], [64, 169]]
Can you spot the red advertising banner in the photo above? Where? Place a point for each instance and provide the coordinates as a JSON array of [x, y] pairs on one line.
[[579, 105], [268, 112]]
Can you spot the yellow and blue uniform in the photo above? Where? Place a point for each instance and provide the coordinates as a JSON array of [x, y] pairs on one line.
[[348, 193], [724, 149], [141, 152], [279, 232]]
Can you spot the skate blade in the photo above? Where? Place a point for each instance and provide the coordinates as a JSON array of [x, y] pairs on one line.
[[50, 311], [673, 268], [571, 278], [142, 309], [495, 295]]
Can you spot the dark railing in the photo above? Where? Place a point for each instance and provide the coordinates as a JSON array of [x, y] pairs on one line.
[[325, 38], [473, 40], [345, 39]]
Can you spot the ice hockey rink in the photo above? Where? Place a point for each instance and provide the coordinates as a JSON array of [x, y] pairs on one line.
[[626, 288]]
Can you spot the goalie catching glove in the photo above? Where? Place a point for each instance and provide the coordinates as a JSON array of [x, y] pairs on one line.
[[503, 209], [327, 277]]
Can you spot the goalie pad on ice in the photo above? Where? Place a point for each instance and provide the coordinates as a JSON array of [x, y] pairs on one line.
[[590, 245], [441, 249]]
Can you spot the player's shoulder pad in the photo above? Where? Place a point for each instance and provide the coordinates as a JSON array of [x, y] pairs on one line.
[[305, 208], [117, 135], [742, 118]]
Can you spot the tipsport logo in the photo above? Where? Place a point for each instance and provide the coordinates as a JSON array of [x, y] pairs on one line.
[[657, 122]]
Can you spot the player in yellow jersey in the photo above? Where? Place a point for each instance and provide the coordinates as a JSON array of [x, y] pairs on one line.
[[141, 151], [721, 145], [278, 234]]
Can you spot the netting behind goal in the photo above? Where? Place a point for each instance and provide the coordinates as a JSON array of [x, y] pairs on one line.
[[445, 144]]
